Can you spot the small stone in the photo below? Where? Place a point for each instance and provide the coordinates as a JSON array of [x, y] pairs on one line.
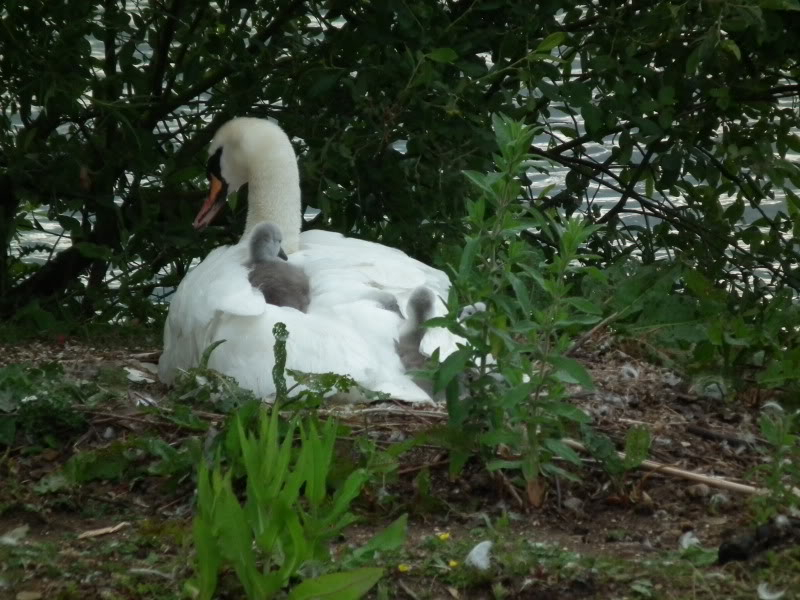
[[603, 410], [698, 490], [713, 391], [629, 372], [480, 556], [687, 540], [772, 407], [765, 593], [137, 376], [396, 436], [782, 522], [14, 536], [574, 504]]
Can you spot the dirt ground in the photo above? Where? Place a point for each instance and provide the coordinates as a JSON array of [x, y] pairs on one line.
[[131, 538]]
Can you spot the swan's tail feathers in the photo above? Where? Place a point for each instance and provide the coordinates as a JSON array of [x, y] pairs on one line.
[[439, 338]]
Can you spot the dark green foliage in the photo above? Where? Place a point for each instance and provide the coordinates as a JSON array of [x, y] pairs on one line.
[[780, 473], [506, 389], [108, 106], [682, 116], [637, 447], [40, 404]]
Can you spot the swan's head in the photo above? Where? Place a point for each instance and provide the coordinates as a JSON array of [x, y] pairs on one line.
[[265, 243], [241, 150]]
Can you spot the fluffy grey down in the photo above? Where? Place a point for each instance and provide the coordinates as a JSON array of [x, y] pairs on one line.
[[419, 310], [281, 283]]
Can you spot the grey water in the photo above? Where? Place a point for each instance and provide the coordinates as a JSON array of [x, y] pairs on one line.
[[38, 245]]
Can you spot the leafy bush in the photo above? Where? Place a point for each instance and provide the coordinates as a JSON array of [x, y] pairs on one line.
[[524, 265], [681, 114], [780, 473]]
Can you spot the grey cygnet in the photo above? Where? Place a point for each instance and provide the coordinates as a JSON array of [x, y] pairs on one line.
[[419, 310], [282, 284]]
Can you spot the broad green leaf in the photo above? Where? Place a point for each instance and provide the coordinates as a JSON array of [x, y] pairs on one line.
[[496, 465], [601, 448], [518, 393], [559, 448], [554, 469], [593, 119], [483, 181], [498, 436], [571, 371], [730, 46], [471, 249], [94, 251], [442, 55], [391, 538], [585, 305], [522, 293], [347, 493], [551, 41], [637, 447], [350, 585], [567, 411], [207, 558], [453, 365]]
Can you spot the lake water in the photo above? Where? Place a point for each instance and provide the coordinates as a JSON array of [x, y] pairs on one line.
[[51, 239]]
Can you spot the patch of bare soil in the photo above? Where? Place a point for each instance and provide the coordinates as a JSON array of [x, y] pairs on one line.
[[695, 433]]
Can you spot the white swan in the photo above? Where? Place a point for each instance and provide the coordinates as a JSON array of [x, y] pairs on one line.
[[346, 330]]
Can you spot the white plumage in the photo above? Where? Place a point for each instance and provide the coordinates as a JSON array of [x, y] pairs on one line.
[[346, 330]]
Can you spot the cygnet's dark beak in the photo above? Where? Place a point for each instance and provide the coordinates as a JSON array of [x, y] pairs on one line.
[[217, 195], [282, 254]]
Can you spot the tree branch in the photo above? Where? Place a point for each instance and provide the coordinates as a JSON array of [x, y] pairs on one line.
[[160, 59], [615, 210], [183, 50], [168, 105], [9, 202]]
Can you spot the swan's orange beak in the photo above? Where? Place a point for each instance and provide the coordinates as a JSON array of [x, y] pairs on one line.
[[217, 195]]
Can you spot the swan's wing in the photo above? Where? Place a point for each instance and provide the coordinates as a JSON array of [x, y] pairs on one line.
[[316, 344], [215, 301], [218, 283], [346, 269]]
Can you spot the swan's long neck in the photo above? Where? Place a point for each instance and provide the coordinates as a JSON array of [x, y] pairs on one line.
[[274, 196]]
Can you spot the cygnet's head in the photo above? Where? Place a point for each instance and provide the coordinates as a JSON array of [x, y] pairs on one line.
[[420, 305], [239, 147], [471, 309], [265, 244]]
